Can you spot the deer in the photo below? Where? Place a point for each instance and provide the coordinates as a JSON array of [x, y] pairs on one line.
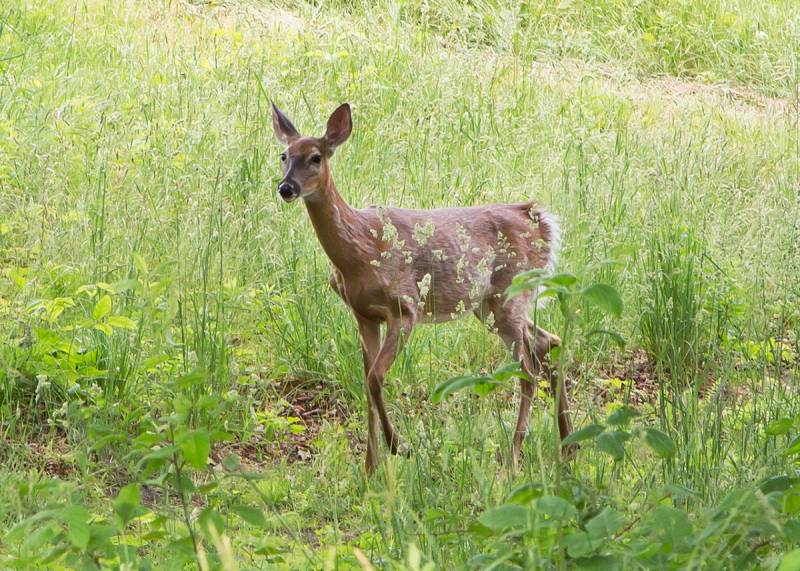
[[399, 267]]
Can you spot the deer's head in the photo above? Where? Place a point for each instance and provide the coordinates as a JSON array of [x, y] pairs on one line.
[[305, 159]]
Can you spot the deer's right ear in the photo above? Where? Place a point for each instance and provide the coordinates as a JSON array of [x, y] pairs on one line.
[[340, 124], [284, 130]]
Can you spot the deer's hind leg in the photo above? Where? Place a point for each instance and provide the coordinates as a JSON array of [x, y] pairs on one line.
[[510, 321], [530, 345], [522, 349], [543, 344]]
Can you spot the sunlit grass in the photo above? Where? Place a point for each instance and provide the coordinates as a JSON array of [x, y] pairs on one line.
[[137, 155]]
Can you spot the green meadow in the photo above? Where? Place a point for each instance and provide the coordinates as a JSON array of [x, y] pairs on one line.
[[180, 388]]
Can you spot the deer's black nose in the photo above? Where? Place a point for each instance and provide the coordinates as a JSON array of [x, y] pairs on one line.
[[287, 190]]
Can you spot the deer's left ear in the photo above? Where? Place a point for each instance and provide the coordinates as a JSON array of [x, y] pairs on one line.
[[284, 130], [340, 124]]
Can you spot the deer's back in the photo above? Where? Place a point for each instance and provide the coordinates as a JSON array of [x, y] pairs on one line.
[[443, 262]]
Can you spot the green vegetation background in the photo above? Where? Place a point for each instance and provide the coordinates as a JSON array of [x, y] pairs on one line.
[[179, 387]]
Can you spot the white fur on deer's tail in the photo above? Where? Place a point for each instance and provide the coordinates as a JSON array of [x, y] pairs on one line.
[[551, 233]]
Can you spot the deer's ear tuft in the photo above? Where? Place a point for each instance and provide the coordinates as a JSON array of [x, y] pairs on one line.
[[340, 124], [284, 130]]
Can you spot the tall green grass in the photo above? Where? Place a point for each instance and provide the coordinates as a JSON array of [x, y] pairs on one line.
[[137, 162]]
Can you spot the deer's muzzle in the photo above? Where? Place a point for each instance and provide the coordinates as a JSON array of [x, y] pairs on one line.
[[288, 191]]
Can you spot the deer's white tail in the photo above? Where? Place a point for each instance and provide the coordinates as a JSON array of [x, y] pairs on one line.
[[551, 230]]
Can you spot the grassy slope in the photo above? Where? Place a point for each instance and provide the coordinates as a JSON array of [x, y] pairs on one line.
[[664, 131]]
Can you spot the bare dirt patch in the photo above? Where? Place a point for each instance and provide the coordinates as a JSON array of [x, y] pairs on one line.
[[49, 454], [309, 402], [265, 18], [671, 90], [635, 373]]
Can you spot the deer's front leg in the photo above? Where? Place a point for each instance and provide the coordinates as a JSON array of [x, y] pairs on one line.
[[370, 333], [396, 330], [532, 359]]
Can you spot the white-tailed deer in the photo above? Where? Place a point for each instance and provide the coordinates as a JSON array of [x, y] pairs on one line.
[[402, 267]]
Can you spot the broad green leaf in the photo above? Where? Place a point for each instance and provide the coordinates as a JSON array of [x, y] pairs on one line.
[[678, 491], [498, 378], [149, 439], [90, 288], [536, 273], [605, 524], [790, 561], [611, 443], [779, 427], [605, 297], [525, 493], [17, 533], [22, 529], [105, 328], [506, 517], [77, 520], [102, 308], [791, 528], [580, 544], [615, 337], [183, 482], [125, 285], [555, 507], [191, 379], [484, 389], [46, 337], [232, 462], [564, 279], [251, 515], [659, 442], [195, 446], [140, 263], [126, 503], [622, 416], [207, 488], [36, 540], [598, 563], [507, 372], [668, 526], [776, 484], [129, 495], [108, 440], [159, 454], [211, 524], [585, 433], [121, 321], [794, 447], [218, 435], [154, 361], [525, 281], [548, 292], [514, 290], [450, 386]]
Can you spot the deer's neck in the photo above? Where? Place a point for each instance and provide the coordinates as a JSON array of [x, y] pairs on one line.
[[341, 229]]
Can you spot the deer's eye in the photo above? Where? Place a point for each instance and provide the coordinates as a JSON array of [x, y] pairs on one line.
[[283, 157], [316, 159]]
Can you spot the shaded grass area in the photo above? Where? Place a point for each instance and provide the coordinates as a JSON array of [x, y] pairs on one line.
[[154, 292]]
